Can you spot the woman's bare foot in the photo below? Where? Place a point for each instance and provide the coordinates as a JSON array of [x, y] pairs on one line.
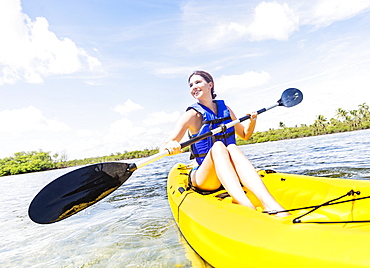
[[280, 212]]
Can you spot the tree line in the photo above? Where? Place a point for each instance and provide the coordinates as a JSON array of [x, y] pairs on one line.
[[342, 122], [24, 162]]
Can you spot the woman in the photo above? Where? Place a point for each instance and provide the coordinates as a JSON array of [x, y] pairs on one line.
[[220, 161]]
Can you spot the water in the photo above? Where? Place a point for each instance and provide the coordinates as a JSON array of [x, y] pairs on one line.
[[133, 227]]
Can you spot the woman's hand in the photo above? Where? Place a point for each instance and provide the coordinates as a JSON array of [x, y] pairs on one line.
[[173, 147], [253, 116]]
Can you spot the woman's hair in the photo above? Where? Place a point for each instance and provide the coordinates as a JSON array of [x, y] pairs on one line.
[[206, 77]]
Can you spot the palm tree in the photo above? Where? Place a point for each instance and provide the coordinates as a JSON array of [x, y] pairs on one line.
[[364, 110], [282, 125], [320, 124], [356, 120], [342, 114], [333, 122]]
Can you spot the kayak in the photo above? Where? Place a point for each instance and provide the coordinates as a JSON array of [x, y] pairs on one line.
[[329, 225]]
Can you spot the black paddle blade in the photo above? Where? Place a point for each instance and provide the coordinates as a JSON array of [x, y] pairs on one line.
[[76, 191], [291, 97]]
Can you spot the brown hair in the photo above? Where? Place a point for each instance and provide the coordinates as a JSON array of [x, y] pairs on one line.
[[206, 77]]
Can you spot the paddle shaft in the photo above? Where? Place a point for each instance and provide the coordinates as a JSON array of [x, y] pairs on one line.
[[221, 128], [85, 186]]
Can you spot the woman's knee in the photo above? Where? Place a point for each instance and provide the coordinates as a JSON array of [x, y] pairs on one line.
[[233, 148], [219, 151], [219, 145], [235, 151]]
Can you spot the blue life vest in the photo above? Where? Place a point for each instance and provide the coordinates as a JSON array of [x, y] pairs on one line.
[[211, 121]]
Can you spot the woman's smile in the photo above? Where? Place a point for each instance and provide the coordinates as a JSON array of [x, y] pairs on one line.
[[198, 86], [196, 92]]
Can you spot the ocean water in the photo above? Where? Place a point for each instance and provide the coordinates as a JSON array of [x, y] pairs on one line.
[[133, 227]]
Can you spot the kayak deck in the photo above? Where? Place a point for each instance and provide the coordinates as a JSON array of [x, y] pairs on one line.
[[231, 235]]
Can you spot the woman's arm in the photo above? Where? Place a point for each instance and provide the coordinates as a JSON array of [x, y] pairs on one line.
[[189, 120], [244, 132]]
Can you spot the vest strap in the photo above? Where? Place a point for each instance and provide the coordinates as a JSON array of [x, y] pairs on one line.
[[216, 121], [214, 138]]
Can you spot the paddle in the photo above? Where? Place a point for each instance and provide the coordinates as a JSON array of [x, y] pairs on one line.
[[85, 186]]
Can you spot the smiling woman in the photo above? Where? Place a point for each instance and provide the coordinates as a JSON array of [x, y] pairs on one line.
[[220, 163]]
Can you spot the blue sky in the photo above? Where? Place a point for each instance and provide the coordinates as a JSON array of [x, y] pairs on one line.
[[92, 77]]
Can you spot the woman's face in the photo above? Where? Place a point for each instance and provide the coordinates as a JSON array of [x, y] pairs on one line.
[[199, 87]]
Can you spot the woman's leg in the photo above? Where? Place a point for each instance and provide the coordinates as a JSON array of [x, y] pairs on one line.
[[251, 180], [216, 169]]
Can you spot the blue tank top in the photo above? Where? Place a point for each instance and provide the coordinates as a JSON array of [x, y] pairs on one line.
[[211, 121]]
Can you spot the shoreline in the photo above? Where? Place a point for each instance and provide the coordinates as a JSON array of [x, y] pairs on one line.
[[27, 162], [135, 155]]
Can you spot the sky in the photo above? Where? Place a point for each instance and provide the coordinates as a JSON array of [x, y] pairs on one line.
[[95, 77]]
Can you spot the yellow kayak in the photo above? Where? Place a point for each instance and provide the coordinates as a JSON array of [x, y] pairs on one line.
[[330, 226]]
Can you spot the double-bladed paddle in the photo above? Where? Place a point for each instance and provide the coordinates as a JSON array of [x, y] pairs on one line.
[[85, 186]]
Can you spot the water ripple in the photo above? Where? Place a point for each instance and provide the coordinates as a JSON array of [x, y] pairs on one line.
[[133, 227]]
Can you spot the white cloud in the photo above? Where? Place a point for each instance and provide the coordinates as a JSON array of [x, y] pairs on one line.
[[123, 134], [128, 107], [124, 127], [30, 51], [243, 81], [325, 12], [222, 24], [216, 27], [28, 119], [272, 20], [84, 133], [160, 118]]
